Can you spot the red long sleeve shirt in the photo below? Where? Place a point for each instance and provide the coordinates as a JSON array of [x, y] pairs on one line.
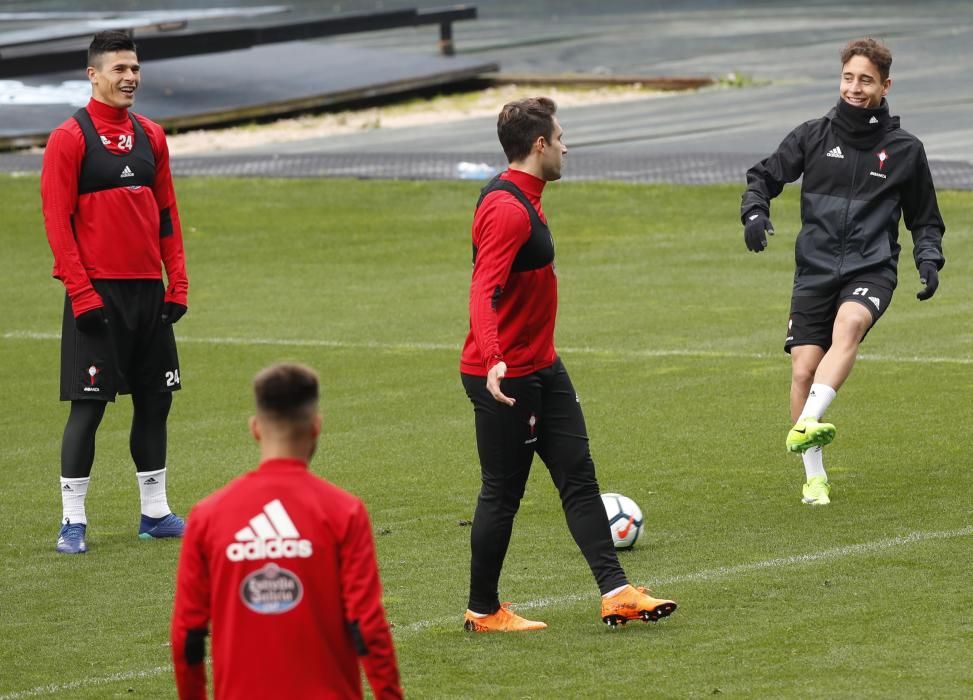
[[281, 565], [512, 314], [113, 233]]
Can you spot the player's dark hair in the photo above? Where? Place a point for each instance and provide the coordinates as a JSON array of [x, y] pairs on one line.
[[521, 123], [286, 392], [107, 42], [875, 51]]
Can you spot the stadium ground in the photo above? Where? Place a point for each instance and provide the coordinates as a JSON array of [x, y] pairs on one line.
[[682, 169], [785, 56], [788, 51], [672, 332]]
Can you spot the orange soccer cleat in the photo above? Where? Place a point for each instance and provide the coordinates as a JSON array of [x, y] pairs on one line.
[[634, 604], [503, 620]]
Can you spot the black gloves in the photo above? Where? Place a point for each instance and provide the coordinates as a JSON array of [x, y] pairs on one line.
[[95, 320], [172, 312], [756, 226], [92, 321], [929, 276]]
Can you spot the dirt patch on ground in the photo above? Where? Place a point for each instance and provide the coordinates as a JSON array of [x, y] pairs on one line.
[[413, 113]]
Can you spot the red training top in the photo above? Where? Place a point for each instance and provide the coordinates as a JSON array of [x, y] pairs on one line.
[[282, 564], [112, 233], [511, 313]]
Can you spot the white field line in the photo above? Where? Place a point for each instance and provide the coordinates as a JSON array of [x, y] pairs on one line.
[[55, 688], [705, 575], [451, 347], [719, 573]]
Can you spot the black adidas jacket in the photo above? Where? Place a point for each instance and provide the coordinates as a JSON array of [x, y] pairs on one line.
[[851, 203]]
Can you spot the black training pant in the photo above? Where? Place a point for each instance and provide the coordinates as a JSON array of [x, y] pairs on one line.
[[546, 419], [147, 440]]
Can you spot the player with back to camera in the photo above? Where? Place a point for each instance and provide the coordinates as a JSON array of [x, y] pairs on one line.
[[281, 565], [112, 223], [523, 399], [862, 173]]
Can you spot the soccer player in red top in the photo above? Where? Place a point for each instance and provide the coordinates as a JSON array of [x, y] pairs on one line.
[[112, 223], [281, 565], [523, 400]]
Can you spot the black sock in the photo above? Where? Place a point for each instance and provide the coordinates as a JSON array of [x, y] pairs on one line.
[[78, 444], [147, 440]]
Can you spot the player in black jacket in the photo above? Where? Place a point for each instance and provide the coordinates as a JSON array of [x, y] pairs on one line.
[[862, 173]]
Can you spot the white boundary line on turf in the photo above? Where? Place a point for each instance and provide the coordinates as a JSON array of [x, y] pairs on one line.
[[86, 683], [704, 575], [720, 572], [587, 350]]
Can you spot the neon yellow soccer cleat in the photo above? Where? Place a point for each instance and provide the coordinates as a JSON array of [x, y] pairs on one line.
[[817, 491], [808, 433]]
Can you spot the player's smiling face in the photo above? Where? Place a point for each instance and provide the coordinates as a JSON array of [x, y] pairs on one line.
[[861, 84], [115, 79]]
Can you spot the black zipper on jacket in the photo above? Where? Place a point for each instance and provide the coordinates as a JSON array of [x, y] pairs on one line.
[[844, 227]]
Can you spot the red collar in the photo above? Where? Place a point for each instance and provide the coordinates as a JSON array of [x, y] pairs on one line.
[[107, 113], [283, 463], [528, 184]]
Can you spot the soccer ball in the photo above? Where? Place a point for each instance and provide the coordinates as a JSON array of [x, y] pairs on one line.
[[624, 519]]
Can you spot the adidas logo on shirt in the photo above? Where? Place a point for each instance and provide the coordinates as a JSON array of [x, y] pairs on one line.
[[127, 172], [270, 535], [836, 152]]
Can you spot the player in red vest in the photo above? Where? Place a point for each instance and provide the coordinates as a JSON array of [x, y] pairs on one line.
[[112, 223], [280, 565], [523, 399]]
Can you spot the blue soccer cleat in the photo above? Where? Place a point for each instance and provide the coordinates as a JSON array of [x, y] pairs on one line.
[[70, 540], [157, 528]]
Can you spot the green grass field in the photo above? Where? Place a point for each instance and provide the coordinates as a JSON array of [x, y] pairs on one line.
[[672, 332]]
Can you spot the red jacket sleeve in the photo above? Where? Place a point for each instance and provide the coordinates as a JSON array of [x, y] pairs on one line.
[[362, 596], [170, 228], [500, 230], [59, 199], [191, 613]]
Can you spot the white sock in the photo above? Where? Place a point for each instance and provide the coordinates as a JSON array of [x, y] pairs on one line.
[[152, 490], [814, 463], [615, 591], [818, 400], [73, 493], [473, 614]]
